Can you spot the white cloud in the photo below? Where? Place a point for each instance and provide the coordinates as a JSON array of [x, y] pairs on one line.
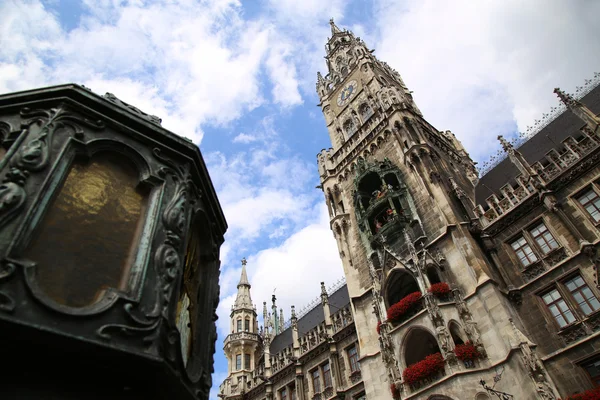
[[294, 270], [476, 67], [244, 138]]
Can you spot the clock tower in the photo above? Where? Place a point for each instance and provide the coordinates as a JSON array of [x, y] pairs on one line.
[[400, 195]]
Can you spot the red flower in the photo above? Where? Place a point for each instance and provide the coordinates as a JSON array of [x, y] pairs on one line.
[[423, 369], [395, 391], [378, 327], [592, 394], [439, 289], [400, 308], [466, 352]]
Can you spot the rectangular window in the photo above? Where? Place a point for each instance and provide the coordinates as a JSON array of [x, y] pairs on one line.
[[247, 325], [559, 308], [353, 359], [238, 362], [283, 394], [591, 202], [316, 380], [247, 361], [327, 375], [293, 393], [239, 325], [524, 251], [593, 370], [582, 294], [544, 238]]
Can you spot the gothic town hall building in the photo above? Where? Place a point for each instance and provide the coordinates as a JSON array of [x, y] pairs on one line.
[[458, 286]]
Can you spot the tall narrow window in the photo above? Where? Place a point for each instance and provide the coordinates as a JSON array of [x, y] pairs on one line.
[[283, 394], [524, 251], [544, 238], [293, 393], [582, 294], [87, 241], [559, 308], [246, 361], [316, 380], [327, 375], [239, 325], [238, 362], [591, 202], [353, 359], [247, 325]]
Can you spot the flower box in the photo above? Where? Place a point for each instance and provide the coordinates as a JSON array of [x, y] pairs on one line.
[[592, 394], [395, 391], [423, 369], [467, 352], [440, 290], [398, 310]]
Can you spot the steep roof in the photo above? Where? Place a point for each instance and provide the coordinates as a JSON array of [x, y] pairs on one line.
[[337, 300], [550, 137]]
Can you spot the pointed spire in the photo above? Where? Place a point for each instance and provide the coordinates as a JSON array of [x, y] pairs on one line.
[[334, 28], [243, 299], [521, 163], [578, 109], [244, 277]]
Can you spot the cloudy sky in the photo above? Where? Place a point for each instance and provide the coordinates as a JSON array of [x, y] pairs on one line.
[[239, 79]]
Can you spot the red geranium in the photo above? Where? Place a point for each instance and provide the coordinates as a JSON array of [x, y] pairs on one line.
[[396, 311], [592, 394], [439, 289], [423, 369], [467, 352], [378, 327], [395, 391]]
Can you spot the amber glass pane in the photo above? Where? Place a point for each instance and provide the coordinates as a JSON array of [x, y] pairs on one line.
[[87, 239]]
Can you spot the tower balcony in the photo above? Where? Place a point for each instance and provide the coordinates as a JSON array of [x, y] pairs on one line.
[[239, 336]]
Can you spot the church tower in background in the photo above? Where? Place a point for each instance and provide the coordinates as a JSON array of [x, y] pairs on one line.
[[401, 196], [243, 346]]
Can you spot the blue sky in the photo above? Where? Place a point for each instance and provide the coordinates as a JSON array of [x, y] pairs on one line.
[[238, 78]]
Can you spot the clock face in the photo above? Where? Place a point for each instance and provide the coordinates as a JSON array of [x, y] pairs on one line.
[[346, 93]]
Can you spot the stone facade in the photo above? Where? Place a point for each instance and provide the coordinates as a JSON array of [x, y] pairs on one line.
[[312, 356], [432, 261]]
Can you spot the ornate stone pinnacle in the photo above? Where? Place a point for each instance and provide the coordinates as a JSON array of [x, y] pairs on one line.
[[566, 98], [505, 144], [244, 261]]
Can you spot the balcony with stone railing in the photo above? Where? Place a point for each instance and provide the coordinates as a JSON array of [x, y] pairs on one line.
[[241, 336], [550, 167]]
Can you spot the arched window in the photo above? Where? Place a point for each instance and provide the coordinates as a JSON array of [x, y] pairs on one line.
[[247, 324], [432, 275], [400, 284], [365, 111], [367, 186], [349, 127], [87, 241], [456, 333], [419, 344]]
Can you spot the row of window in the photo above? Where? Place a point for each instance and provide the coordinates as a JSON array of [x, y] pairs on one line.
[[246, 325], [321, 376], [542, 239], [238, 361]]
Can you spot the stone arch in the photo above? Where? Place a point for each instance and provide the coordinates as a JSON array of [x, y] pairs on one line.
[[456, 332], [482, 396], [400, 282], [418, 343], [433, 274], [439, 397], [365, 111]]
